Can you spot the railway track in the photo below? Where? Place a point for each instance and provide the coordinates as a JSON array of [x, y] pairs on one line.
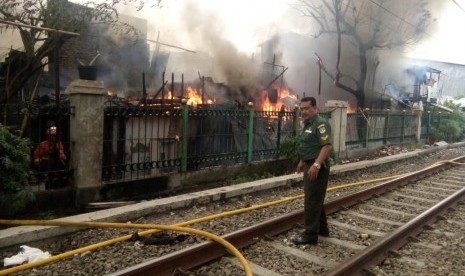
[[369, 230], [114, 257]]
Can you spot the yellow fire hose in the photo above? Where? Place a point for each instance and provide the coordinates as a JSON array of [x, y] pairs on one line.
[[229, 246], [163, 227]]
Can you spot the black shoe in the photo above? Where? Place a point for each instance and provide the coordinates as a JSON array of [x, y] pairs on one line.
[[304, 240], [324, 234]]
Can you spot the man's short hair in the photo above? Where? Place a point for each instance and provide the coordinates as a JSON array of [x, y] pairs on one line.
[[312, 100]]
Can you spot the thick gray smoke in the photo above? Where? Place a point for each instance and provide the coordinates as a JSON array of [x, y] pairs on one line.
[[236, 69], [295, 48]]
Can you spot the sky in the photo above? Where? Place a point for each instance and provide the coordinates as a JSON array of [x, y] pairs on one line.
[[246, 23], [447, 42]]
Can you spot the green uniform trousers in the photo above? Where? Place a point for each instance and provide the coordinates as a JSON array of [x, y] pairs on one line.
[[315, 192]]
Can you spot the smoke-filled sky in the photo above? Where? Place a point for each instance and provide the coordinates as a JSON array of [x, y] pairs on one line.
[[446, 41], [230, 31], [246, 23]]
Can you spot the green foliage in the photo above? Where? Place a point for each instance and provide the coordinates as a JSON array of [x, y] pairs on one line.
[[436, 135], [15, 191], [451, 105], [450, 130], [289, 148]]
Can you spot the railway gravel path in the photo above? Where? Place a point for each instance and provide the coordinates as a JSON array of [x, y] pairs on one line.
[[118, 256]]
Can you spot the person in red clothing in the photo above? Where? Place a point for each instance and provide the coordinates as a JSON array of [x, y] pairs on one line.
[[49, 157]]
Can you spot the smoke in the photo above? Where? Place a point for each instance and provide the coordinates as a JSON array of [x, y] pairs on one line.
[[205, 31], [198, 26], [225, 37]]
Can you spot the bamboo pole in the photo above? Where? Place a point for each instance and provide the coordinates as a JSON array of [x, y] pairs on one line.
[[38, 28]]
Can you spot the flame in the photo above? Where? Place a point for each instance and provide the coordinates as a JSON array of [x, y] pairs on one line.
[[111, 92], [283, 93], [351, 109], [169, 95], [266, 105], [194, 97]]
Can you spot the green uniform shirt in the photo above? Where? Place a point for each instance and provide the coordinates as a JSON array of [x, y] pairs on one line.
[[315, 134]]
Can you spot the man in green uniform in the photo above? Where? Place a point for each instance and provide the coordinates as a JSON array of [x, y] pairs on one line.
[[315, 146]]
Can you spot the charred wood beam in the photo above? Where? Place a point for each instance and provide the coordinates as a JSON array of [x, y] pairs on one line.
[[202, 84], [160, 89], [277, 77], [144, 90], [172, 46]]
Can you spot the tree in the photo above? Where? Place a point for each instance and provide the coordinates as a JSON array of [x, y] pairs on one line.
[[362, 28], [23, 68], [15, 191]]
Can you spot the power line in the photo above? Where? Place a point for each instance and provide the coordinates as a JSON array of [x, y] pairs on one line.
[[395, 15], [455, 2]]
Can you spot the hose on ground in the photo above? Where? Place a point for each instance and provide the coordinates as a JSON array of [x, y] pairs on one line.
[[225, 243], [197, 220]]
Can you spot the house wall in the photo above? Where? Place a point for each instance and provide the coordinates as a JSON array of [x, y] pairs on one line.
[[123, 56]]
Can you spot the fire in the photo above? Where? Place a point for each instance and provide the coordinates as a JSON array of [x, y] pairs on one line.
[[169, 95], [194, 97], [266, 105], [351, 109], [110, 92], [283, 94]]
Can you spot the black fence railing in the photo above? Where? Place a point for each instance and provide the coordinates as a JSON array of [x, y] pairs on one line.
[[371, 128], [150, 141], [430, 121], [47, 127]]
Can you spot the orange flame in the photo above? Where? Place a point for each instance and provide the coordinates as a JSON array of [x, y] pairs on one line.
[[265, 102], [110, 92], [283, 93], [169, 95], [194, 97], [351, 109]]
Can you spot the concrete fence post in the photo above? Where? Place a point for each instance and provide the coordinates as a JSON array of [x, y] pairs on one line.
[[250, 133], [86, 138], [338, 123], [418, 112]]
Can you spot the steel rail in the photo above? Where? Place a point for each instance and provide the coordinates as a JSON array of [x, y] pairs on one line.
[[357, 197], [380, 249], [202, 253]]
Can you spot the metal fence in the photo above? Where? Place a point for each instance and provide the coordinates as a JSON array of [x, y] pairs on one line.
[[33, 121], [372, 128], [430, 121], [148, 141]]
